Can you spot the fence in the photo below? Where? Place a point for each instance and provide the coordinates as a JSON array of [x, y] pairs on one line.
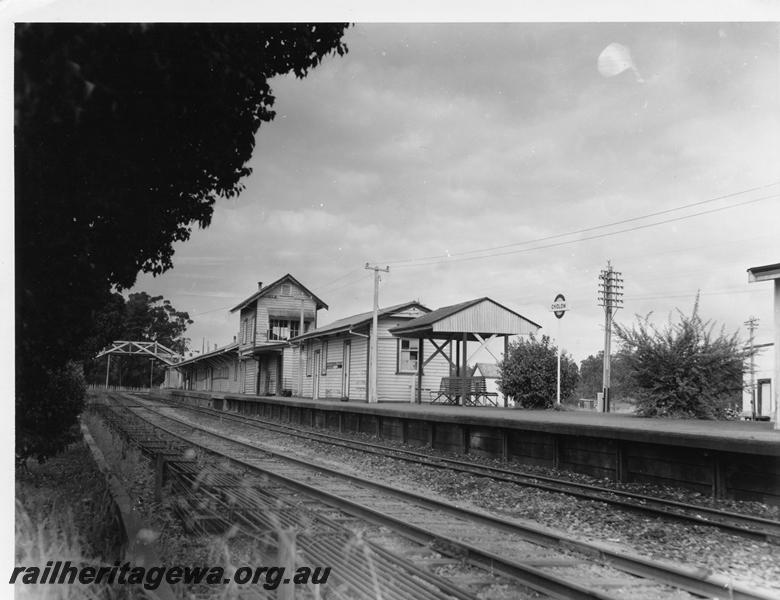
[[95, 387]]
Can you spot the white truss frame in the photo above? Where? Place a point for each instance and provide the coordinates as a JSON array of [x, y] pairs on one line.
[[150, 349]]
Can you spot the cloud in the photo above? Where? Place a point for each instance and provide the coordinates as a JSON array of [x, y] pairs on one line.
[[428, 138]]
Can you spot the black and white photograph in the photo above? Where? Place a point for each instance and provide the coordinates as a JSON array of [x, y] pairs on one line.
[[373, 302]]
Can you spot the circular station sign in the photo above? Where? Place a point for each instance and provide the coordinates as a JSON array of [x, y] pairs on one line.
[[559, 306]]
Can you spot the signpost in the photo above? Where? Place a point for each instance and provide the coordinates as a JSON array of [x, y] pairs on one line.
[[559, 308]]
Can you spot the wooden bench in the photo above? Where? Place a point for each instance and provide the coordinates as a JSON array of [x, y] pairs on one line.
[[466, 391]]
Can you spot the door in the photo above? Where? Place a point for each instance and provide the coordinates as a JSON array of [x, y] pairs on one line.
[[764, 397], [345, 370], [315, 392]]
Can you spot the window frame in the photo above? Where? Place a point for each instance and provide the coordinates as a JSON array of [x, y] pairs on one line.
[[399, 354]]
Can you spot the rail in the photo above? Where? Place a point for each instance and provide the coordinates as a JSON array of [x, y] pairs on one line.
[[691, 579]]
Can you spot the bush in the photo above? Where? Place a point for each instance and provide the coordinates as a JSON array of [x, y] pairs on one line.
[[529, 373], [47, 412], [684, 370]]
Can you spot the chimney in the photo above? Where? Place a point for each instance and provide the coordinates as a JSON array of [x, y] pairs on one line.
[[259, 285]]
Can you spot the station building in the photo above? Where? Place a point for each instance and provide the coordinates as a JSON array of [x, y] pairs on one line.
[[279, 349]]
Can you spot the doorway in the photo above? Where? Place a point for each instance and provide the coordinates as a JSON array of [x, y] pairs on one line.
[[764, 397], [315, 392], [345, 370]]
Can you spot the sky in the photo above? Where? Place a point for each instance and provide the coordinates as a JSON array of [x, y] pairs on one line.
[[498, 159], [484, 152]]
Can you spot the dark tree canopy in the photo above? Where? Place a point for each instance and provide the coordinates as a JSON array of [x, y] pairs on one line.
[[125, 135], [529, 373], [684, 369]]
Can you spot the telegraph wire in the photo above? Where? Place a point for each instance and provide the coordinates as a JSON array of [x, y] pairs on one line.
[[464, 256], [587, 229], [332, 281], [458, 258]]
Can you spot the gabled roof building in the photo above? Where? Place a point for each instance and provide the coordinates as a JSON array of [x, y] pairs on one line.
[[280, 350]]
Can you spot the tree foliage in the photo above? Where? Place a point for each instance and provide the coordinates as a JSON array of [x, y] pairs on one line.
[[685, 369], [48, 420], [142, 318], [125, 135], [154, 319], [591, 379], [529, 373]]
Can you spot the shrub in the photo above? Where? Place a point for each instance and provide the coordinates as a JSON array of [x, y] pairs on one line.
[[683, 370], [529, 373], [47, 412]]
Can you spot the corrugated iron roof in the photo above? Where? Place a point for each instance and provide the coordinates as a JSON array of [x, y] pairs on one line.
[[439, 314], [355, 321], [262, 292], [212, 354], [428, 320]]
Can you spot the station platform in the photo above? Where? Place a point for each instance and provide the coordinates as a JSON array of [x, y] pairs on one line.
[[734, 459]]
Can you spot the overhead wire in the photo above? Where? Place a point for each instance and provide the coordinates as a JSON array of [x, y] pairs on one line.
[[490, 251], [455, 258], [592, 228]]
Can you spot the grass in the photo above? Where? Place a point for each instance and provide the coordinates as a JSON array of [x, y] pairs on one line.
[[178, 546], [63, 513]]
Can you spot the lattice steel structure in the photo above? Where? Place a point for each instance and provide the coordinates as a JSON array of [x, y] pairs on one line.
[[148, 349]]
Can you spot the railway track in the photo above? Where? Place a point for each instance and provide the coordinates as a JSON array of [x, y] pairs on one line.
[[748, 526], [211, 498], [544, 560]]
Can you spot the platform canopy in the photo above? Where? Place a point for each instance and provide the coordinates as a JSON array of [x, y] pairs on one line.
[[474, 319], [480, 320]]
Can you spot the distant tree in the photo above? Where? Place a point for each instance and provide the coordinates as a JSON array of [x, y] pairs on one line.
[[142, 318], [529, 373], [154, 319], [592, 380], [683, 370], [125, 135]]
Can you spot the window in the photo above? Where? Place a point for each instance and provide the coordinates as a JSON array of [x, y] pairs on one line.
[[286, 289], [248, 330], [308, 361], [324, 362], [408, 350], [282, 329]]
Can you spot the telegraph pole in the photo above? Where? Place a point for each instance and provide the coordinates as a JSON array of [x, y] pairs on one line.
[[752, 324], [611, 298], [372, 359]]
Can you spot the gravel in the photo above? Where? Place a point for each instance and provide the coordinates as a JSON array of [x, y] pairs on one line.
[[743, 561]]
